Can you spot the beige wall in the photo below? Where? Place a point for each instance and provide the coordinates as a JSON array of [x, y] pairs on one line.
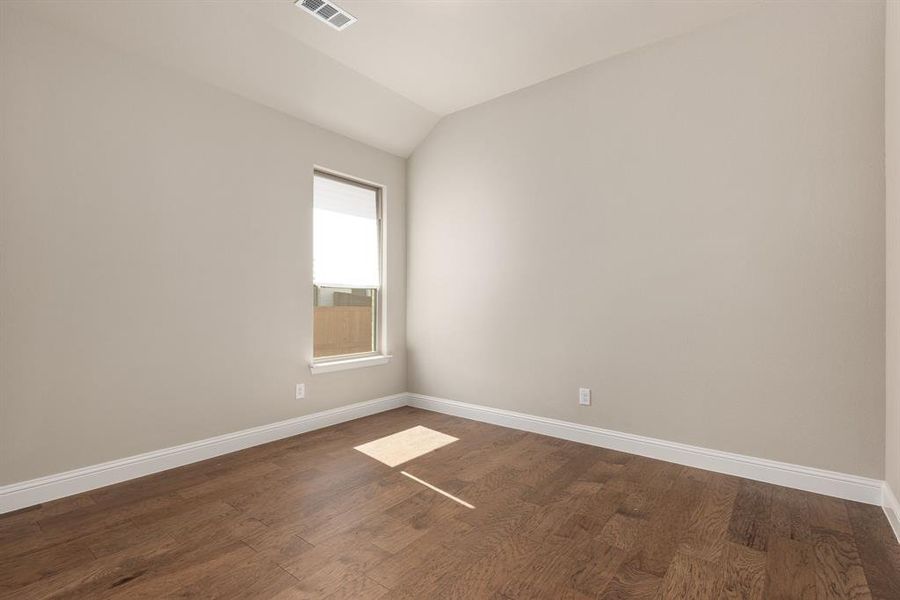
[[156, 257], [694, 230], [892, 179]]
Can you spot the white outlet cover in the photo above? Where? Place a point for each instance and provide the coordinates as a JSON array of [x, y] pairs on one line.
[[584, 396], [301, 391]]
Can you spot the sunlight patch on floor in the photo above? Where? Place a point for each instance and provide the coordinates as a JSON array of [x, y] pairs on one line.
[[438, 490], [406, 445]]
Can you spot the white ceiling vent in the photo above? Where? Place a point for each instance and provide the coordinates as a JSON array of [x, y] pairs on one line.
[[329, 12]]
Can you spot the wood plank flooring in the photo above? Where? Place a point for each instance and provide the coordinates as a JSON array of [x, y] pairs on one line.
[[310, 517]]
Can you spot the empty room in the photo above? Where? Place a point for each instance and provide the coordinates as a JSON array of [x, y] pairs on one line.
[[450, 299]]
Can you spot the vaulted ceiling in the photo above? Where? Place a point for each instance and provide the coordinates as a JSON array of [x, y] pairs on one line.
[[387, 79]]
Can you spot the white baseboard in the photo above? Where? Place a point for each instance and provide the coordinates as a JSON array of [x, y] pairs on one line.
[[830, 483], [840, 485], [44, 489], [892, 509]]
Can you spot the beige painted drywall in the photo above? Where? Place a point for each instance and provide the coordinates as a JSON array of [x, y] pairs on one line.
[[694, 230], [892, 194], [156, 257]]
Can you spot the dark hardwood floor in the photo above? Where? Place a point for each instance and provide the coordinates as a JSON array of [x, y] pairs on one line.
[[310, 517]]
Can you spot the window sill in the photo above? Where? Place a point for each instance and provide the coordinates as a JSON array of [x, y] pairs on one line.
[[344, 364]]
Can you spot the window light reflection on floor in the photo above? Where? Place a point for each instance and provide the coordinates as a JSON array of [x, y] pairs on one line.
[[403, 446], [406, 445], [438, 490]]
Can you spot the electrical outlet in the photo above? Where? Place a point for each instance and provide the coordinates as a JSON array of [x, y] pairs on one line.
[[301, 391], [584, 396]]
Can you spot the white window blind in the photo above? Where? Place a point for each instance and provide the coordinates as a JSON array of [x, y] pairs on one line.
[[345, 235]]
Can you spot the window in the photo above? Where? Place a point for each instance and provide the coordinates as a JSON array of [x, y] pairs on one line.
[[346, 267]]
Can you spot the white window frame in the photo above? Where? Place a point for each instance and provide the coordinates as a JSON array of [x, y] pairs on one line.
[[379, 356]]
